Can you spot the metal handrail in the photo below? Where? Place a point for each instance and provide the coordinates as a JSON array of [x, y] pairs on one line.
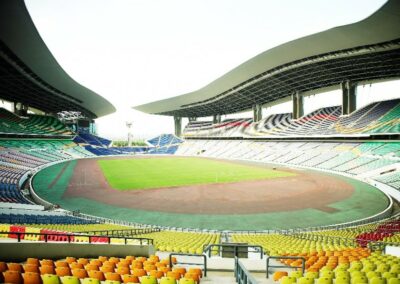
[[285, 266], [208, 248], [204, 264], [242, 275], [122, 232], [70, 236]]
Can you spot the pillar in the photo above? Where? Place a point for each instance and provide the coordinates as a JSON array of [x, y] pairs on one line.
[[349, 97], [216, 118], [298, 107], [257, 112], [178, 125]]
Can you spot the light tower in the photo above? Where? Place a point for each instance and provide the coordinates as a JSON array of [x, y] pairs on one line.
[[129, 125]]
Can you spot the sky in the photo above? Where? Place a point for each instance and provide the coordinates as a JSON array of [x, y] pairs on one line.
[[133, 52]]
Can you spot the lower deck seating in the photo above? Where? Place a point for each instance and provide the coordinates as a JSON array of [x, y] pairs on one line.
[[109, 270]]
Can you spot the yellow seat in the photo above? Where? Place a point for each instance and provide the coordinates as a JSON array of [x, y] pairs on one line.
[[187, 281], [377, 280], [70, 280], [288, 280], [342, 280], [393, 281], [359, 280], [148, 280], [324, 280], [167, 280], [305, 280], [90, 281], [296, 274], [50, 279], [312, 274]]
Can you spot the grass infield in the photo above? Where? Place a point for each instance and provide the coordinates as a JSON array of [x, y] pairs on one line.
[[133, 174]]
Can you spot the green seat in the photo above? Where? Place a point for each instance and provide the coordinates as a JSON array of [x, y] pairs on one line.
[[296, 274], [50, 279], [389, 275], [383, 267], [342, 280], [342, 273], [393, 281], [327, 273], [186, 281], [167, 280], [148, 280], [305, 280], [377, 280], [395, 268], [91, 281], [324, 280], [112, 282], [312, 274], [70, 280], [286, 280], [373, 274], [359, 280]]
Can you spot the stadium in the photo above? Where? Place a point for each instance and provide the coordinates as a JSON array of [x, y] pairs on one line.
[[258, 197]]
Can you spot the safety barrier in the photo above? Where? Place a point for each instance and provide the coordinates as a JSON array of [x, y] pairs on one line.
[[122, 232], [268, 265], [204, 257], [236, 249], [242, 275], [54, 236]]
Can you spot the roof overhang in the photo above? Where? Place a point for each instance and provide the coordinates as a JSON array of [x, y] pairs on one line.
[[31, 75], [368, 50]]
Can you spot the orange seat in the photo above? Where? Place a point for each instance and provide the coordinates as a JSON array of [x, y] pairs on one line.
[[150, 267], [63, 271], [90, 267], [103, 258], [47, 269], [139, 272], [32, 278], [33, 261], [47, 262], [109, 263], [96, 262], [107, 268], [128, 278], [196, 270], [80, 273], [70, 259], [15, 267], [164, 269], [123, 262], [76, 265], [156, 273], [154, 258], [31, 268], [13, 277], [114, 259], [194, 276], [123, 270], [3, 266], [130, 258], [83, 261], [174, 274], [97, 275], [141, 258], [113, 276], [180, 270]]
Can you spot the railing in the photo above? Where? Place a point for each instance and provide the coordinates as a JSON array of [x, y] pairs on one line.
[[73, 238], [268, 265], [242, 275], [204, 264], [122, 233], [235, 249]]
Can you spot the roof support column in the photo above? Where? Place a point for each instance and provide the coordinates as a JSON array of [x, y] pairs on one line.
[[298, 107], [349, 97], [216, 118], [257, 112], [178, 125]]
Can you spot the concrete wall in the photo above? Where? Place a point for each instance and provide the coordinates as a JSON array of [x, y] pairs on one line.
[[21, 251]]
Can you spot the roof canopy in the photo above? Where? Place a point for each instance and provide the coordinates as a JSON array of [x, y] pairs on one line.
[[30, 74], [363, 51]]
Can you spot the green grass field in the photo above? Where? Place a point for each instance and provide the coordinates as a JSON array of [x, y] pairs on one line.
[[131, 174]]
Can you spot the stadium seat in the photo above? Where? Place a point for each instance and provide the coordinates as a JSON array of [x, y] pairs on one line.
[[32, 278], [31, 268], [79, 273], [91, 281], [47, 269], [148, 280], [70, 280], [15, 267], [287, 280], [377, 280], [95, 274], [113, 276], [128, 278], [63, 271], [50, 279], [187, 281], [167, 280], [13, 277]]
